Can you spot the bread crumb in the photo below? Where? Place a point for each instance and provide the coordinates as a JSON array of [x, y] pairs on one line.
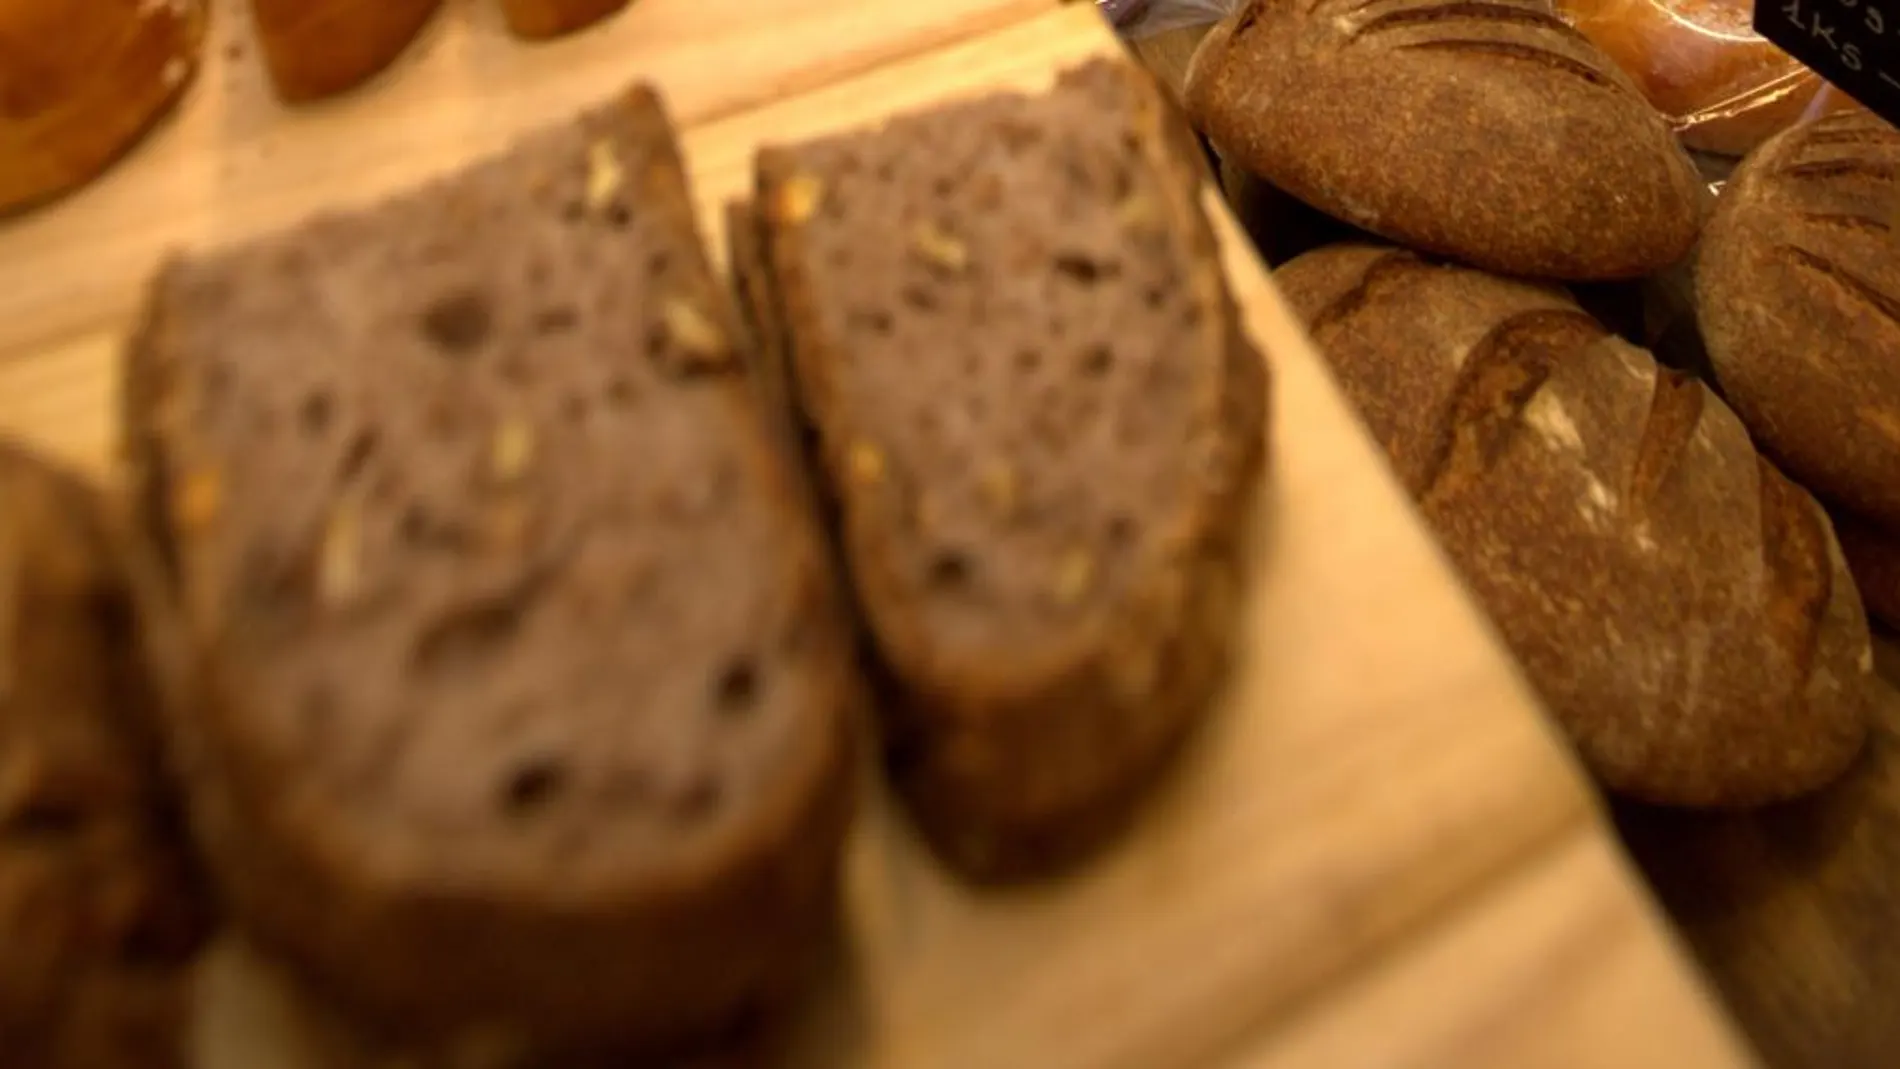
[[941, 247], [198, 500], [1866, 661], [175, 72], [1074, 576], [1000, 488], [512, 450], [866, 462], [798, 199], [691, 329], [339, 562], [604, 175]]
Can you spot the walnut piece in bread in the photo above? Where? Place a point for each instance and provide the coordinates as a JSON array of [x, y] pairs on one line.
[[1682, 607], [81, 82], [1489, 132]]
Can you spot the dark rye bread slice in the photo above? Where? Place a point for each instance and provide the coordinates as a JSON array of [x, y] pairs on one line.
[[526, 706], [1681, 606], [101, 910], [1038, 423], [1798, 295], [1484, 130]]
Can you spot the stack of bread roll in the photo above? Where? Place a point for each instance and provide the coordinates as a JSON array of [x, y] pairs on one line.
[[1682, 564]]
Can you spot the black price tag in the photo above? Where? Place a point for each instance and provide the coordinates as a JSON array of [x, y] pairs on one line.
[[1853, 43]]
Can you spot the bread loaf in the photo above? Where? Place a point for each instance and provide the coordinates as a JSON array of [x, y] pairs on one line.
[[1798, 295], [319, 48], [536, 19], [79, 84], [101, 912], [1681, 607], [1490, 132], [526, 695], [1723, 87], [1038, 421]]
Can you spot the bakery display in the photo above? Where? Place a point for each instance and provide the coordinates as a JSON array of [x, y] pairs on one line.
[[1038, 423], [81, 83], [536, 19], [525, 696], [1798, 296], [101, 914], [1492, 133], [1680, 605], [319, 48], [1724, 87]]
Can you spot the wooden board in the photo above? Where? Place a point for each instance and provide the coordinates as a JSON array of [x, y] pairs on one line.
[[1376, 855]]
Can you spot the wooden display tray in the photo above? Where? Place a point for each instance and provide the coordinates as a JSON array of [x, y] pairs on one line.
[[1376, 855]]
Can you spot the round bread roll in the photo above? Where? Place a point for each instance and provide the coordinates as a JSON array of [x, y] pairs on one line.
[[80, 83], [319, 48], [1724, 87]]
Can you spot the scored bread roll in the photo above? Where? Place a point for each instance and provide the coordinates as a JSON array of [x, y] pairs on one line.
[[81, 82], [536, 19], [319, 48], [1680, 606], [1724, 87], [1492, 133], [1798, 297]]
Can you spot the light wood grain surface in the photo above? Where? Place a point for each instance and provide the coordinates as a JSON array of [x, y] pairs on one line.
[[1376, 855]]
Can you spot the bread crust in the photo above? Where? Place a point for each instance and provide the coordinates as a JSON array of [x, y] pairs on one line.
[[516, 869], [1682, 607], [102, 912], [1798, 297], [1018, 765], [1874, 557], [1490, 132], [541, 19], [320, 48], [80, 83]]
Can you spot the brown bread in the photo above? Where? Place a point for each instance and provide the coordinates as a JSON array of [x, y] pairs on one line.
[[1798, 295], [81, 82], [526, 694], [1038, 421], [536, 19], [1681, 607], [1488, 131], [101, 911], [319, 48]]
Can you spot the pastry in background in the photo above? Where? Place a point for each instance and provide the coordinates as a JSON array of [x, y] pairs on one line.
[[101, 912], [1491, 133], [1039, 423], [535, 19], [81, 82], [525, 715], [1798, 297], [319, 48], [1724, 87], [1679, 605]]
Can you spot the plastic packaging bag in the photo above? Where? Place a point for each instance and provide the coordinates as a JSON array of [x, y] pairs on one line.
[[1723, 87], [1137, 19]]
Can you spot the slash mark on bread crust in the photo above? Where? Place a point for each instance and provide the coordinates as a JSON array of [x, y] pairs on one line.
[[1393, 265], [1878, 171], [1846, 221], [1480, 11], [1517, 53], [1796, 566], [1856, 286], [1675, 409], [1504, 371]]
